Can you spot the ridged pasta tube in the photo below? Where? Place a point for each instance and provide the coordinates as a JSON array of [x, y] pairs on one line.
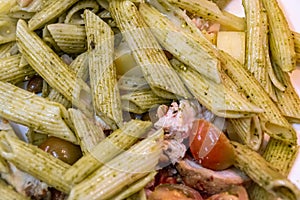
[[135, 187], [249, 131], [49, 66], [147, 53], [272, 120], [256, 31], [87, 132], [182, 45], [70, 38], [216, 97], [119, 141], [8, 49], [209, 10], [91, 5], [281, 38], [282, 157], [35, 161], [11, 72], [50, 11], [288, 100], [26, 108], [142, 99], [80, 66], [103, 77], [263, 173], [122, 171]]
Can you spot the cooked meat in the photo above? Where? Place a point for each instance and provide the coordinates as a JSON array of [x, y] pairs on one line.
[[177, 121], [26, 184], [174, 150], [209, 181]]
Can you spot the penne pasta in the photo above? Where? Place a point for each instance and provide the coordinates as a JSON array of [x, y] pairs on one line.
[[87, 132], [147, 53], [122, 171], [49, 66], [71, 17], [135, 187], [272, 120], [264, 174], [288, 100], [282, 157], [181, 45], [281, 39], [70, 38], [209, 10], [119, 141], [249, 131], [103, 77], [80, 66], [34, 161], [33, 111], [50, 11], [8, 49], [10, 71], [35, 138], [257, 30], [142, 99], [215, 97], [113, 72]]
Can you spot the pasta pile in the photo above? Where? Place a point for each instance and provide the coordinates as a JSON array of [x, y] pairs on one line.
[[81, 99]]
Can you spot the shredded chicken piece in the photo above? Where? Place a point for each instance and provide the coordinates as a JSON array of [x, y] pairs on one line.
[[26, 184], [177, 121], [174, 150]]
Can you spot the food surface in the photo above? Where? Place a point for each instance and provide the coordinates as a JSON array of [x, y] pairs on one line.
[[148, 100]]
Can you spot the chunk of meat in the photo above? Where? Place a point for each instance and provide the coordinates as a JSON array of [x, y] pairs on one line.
[[178, 119], [177, 122], [209, 181], [26, 184]]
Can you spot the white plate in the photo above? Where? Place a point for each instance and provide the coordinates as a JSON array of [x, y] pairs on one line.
[[291, 10]]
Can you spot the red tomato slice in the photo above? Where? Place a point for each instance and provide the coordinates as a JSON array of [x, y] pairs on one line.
[[210, 146]]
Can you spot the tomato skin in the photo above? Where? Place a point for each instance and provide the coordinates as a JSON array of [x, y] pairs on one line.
[[210, 146], [61, 149], [174, 192]]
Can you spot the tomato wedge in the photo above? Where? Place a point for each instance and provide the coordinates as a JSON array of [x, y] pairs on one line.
[[209, 146]]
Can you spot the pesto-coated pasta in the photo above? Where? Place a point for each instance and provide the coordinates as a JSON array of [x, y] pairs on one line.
[[119, 141], [264, 173], [122, 171], [147, 53], [281, 39], [52, 68], [35, 161], [103, 77]]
